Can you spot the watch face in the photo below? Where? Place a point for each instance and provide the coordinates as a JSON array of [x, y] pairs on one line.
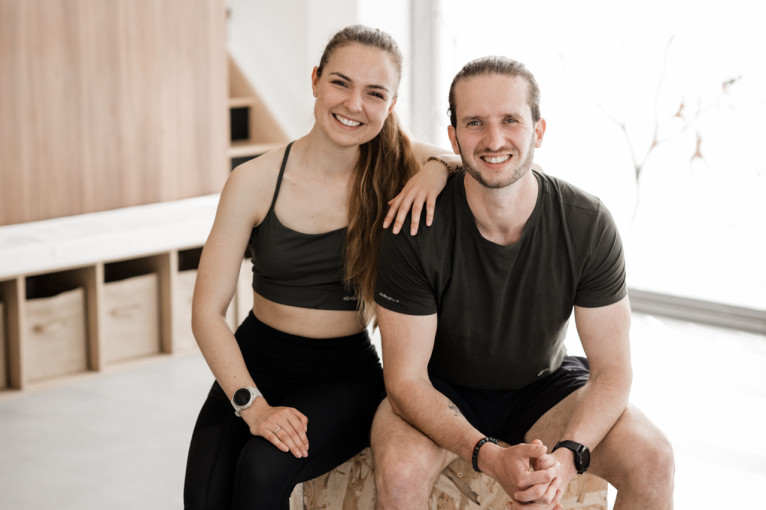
[[241, 396], [584, 459]]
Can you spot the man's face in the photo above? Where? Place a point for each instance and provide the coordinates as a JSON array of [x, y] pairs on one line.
[[495, 134]]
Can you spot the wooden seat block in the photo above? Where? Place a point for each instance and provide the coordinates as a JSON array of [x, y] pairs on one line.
[[351, 486]]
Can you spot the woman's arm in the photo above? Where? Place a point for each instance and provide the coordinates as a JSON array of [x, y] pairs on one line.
[[422, 188], [240, 207]]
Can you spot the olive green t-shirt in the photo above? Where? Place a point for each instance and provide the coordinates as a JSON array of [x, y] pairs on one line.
[[503, 310]]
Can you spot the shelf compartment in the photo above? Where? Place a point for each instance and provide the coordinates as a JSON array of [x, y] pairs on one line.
[[56, 334], [131, 311]]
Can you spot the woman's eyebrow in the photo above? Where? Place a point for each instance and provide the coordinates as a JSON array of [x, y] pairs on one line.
[[346, 78]]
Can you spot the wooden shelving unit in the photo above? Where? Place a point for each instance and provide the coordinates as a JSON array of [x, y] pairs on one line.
[[112, 190], [78, 295], [253, 130]]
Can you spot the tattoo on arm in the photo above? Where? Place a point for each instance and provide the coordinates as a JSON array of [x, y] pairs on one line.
[[454, 408]]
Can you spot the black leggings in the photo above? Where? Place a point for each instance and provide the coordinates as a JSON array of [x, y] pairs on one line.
[[337, 383]]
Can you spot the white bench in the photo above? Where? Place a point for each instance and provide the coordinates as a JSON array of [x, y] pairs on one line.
[[78, 259]]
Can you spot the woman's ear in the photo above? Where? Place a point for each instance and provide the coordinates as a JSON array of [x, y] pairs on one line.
[[393, 103], [314, 81]]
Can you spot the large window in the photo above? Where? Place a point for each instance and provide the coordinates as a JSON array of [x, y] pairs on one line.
[[654, 106]]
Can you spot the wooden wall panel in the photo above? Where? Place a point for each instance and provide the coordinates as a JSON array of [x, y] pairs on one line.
[[110, 103]]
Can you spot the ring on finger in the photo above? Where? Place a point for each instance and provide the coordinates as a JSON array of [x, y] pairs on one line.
[[277, 430]]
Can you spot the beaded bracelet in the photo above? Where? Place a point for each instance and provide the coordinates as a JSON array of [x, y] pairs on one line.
[[476, 451], [440, 160]]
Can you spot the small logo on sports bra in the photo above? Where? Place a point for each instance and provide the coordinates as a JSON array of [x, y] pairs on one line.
[[387, 297], [350, 298]]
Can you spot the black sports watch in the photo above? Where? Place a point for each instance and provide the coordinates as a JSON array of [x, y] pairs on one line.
[[244, 398], [581, 454]]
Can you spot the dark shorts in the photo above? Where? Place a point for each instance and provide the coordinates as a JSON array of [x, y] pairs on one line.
[[509, 414]]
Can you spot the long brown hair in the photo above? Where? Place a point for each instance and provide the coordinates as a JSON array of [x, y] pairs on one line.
[[385, 164]]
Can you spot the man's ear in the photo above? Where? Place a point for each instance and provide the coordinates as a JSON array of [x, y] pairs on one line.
[[539, 132], [453, 139]]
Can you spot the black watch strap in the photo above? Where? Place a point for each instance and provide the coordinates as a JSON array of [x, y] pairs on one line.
[[581, 454]]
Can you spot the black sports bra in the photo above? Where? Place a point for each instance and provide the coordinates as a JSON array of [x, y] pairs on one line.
[[297, 269]]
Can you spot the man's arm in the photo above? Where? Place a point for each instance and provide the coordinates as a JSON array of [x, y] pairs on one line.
[[407, 345], [604, 333], [408, 341]]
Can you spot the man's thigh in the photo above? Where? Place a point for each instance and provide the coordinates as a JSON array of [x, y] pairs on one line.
[[624, 447], [397, 444]]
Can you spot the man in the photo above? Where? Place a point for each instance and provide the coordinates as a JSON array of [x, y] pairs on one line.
[[473, 313]]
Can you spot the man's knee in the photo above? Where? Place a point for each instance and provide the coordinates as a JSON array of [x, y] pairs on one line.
[[654, 470], [406, 462], [638, 459], [402, 478]]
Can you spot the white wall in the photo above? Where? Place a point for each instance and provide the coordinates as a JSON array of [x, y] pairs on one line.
[[277, 44], [613, 76]]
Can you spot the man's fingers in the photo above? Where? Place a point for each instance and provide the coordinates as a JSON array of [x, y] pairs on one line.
[[530, 478], [531, 450], [541, 493], [533, 493]]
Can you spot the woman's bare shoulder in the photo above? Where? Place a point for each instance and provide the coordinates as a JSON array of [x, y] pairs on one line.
[[263, 166], [251, 185]]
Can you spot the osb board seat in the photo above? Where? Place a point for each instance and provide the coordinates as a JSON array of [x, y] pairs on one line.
[[351, 486]]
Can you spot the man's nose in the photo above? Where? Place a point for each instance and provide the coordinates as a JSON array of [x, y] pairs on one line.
[[494, 138]]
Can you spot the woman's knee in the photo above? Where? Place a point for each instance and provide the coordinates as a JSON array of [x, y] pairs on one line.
[[261, 464]]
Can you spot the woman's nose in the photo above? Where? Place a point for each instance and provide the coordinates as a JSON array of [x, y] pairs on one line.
[[354, 101]]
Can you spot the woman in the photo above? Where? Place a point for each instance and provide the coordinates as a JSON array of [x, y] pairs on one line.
[[300, 372]]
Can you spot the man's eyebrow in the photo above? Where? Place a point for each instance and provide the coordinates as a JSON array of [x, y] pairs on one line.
[[346, 78], [469, 118]]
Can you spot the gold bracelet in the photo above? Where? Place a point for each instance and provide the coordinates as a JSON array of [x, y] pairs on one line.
[[440, 160]]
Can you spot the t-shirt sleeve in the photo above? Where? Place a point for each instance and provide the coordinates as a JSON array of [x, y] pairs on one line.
[[401, 283], [603, 278]]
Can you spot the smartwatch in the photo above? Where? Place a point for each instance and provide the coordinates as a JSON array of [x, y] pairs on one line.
[[581, 454], [244, 398]]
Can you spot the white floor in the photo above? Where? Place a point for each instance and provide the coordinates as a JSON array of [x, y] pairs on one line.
[[118, 440]]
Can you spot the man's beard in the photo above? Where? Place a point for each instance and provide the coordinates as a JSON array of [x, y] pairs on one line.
[[518, 173]]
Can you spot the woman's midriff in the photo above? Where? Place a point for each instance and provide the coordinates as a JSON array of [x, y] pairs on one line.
[[307, 322]]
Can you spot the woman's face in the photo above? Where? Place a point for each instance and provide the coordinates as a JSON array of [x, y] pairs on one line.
[[355, 94]]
